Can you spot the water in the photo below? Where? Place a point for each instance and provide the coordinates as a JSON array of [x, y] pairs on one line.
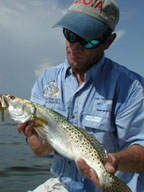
[[20, 169]]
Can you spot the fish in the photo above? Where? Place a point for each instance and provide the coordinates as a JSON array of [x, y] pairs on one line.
[[69, 141]]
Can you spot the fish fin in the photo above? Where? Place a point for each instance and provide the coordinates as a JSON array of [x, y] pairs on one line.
[[40, 125], [40, 134], [41, 140], [40, 122]]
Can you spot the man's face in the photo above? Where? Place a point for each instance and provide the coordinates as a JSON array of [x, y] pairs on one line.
[[81, 59]]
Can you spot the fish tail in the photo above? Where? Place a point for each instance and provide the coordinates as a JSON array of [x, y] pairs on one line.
[[113, 184]]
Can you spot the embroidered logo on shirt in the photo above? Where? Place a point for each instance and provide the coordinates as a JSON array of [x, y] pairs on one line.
[[51, 89], [93, 118]]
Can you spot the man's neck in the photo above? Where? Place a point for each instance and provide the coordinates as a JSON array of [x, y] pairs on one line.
[[79, 76]]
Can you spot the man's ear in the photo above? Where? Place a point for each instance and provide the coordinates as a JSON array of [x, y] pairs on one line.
[[110, 40]]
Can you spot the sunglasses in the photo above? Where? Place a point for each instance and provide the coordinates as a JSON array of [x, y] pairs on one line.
[[88, 44]]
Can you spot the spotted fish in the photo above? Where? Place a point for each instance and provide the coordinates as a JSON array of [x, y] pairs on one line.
[[66, 139]]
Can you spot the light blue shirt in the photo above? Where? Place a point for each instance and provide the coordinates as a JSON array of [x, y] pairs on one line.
[[109, 104]]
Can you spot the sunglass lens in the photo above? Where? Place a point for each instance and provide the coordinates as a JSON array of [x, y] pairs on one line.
[[90, 43], [73, 38], [70, 36]]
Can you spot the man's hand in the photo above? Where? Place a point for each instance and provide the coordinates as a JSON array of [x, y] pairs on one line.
[[111, 167], [26, 128], [38, 149]]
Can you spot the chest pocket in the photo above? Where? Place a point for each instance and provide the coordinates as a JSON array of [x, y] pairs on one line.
[[99, 122], [99, 114]]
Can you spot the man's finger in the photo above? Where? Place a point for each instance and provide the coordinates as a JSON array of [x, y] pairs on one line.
[[21, 126], [88, 171], [111, 166], [28, 129], [25, 128]]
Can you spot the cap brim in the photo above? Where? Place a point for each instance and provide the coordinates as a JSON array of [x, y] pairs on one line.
[[83, 25]]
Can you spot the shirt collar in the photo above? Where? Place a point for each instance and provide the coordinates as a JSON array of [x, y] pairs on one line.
[[96, 68], [67, 69]]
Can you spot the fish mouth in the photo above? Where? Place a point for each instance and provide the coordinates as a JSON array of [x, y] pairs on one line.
[[1, 110], [3, 106]]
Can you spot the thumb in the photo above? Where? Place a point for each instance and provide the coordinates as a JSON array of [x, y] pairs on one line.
[[111, 165]]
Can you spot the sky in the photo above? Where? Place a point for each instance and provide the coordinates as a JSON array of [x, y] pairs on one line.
[[29, 44]]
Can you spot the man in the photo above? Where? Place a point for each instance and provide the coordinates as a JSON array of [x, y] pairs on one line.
[[96, 94]]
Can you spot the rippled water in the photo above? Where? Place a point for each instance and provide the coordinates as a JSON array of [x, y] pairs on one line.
[[20, 170]]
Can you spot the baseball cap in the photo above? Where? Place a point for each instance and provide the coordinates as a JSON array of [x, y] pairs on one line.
[[90, 18]]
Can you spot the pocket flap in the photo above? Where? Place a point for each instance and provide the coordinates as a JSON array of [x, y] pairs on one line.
[[97, 122]]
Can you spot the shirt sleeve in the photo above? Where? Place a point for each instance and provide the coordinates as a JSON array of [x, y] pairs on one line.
[[37, 95], [130, 117]]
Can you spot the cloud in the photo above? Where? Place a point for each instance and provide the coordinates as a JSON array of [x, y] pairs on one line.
[[26, 29], [42, 67], [120, 34], [28, 40]]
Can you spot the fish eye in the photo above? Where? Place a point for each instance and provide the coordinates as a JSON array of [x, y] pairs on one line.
[[12, 97]]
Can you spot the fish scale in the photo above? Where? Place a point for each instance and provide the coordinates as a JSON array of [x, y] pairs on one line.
[[66, 139]]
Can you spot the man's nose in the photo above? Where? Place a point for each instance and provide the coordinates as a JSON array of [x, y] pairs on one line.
[[76, 45]]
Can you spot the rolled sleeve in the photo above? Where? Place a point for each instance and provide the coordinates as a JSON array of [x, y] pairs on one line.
[[130, 118]]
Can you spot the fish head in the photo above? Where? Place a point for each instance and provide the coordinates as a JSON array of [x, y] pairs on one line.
[[19, 109], [7, 100]]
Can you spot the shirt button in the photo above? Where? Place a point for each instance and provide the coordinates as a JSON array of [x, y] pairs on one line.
[[69, 162], [66, 183], [73, 116]]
